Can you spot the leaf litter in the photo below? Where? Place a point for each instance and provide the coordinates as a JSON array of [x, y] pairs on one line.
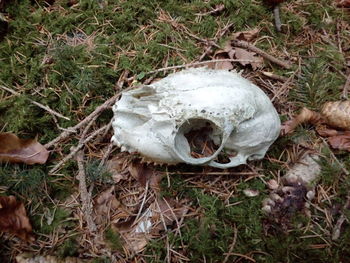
[[16, 150], [133, 206], [333, 122], [244, 56], [14, 219]]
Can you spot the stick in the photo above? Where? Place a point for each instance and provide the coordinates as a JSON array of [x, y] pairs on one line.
[[346, 88], [84, 195], [76, 149], [108, 103], [47, 108], [201, 63], [337, 228], [276, 14], [274, 76], [246, 45]]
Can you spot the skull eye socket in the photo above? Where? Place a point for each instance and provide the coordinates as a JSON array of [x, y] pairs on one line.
[[198, 138]]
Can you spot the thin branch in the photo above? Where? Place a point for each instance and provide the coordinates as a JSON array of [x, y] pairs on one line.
[[206, 62], [346, 88], [276, 14], [46, 108], [246, 45], [108, 103], [86, 201], [76, 149]]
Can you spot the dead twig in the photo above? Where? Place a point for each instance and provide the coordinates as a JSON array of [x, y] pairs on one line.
[[346, 88], [232, 245], [246, 45], [276, 14], [274, 76], [206, 62], [76, 149], [46, 108], [87, 120], [337, 228], [85, 196]]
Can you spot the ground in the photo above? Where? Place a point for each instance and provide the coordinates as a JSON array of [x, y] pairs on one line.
[[74, 55]]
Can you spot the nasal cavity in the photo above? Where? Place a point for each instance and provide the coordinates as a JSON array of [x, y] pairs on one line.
[[203, 137]]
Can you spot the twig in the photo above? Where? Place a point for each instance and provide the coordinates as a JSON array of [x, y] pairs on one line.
[[87, 120], [76, 149], [217, 9], [337, 228], [47, 108], [106, 154], [232, 245], [246, 45], [274, 76], [200, 63], [346, 88], [276, 14], [335, 158], [85, 197]]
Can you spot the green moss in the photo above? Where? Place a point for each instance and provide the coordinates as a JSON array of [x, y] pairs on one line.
[[69, 248], [113, 239], [52, 219]]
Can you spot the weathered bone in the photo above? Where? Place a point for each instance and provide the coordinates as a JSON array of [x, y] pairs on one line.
[[153, 120]]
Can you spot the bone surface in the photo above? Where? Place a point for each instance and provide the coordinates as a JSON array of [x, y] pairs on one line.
[[156, 120]]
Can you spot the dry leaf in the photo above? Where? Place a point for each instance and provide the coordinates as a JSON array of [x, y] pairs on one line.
[[15, 150], [157, 217], [248, 35], [118, 167], [13, 218], [305, 116], [144, 173], [340, 142], [337, 114], [343, 3], [105, 204], [249, 56]]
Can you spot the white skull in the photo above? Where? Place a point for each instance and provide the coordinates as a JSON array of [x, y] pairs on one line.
[[153, 120]]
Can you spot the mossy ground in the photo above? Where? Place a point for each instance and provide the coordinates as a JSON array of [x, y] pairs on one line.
[[69, 55]]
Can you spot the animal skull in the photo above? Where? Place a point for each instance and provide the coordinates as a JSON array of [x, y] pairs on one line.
[[153, 120]]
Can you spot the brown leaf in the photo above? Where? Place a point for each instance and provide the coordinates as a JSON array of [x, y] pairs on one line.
[[145, 173], [13, 218], [15, 150], [337, 114], [249, 57], [105, 204], [118, 167], [340, 142], [248, 35], [305, 116], [343, 3]]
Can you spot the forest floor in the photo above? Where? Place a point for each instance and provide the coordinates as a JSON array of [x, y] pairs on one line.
[[74, 55]]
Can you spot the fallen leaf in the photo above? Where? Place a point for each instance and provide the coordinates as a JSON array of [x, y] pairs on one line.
[[15, 150], [157, 217], [305, 116], [144, 173], [343, 3], [337, 114], [248, 35], [105, 204], [247, 57], [13, 218], [340, 142]]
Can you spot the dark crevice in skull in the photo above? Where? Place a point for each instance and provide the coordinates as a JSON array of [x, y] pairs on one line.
[[200, 138]]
